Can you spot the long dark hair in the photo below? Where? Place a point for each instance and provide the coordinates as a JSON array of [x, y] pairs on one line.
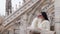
[[44, 15]]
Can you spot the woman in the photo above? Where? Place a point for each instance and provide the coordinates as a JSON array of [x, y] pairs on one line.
[[41, 22]]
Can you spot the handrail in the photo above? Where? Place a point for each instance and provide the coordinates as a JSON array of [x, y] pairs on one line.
[[17, 10], [20, 13], [48, 6], [52, 7]]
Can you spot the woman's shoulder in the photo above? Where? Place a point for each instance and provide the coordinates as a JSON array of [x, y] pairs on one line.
[[35, 19], [46, 21]]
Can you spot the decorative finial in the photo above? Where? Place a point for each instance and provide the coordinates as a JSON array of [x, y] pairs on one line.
[[16, 6], [12, 8], [19, 4]]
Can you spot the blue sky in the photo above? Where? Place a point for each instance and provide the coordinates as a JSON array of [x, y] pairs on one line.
[[2, 5]]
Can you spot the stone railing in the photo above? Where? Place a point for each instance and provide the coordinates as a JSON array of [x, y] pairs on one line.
[[20, 11], [47, 7]]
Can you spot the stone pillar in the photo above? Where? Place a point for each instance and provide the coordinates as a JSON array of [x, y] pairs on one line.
[[8, 7], [23, 26], [57, 16]]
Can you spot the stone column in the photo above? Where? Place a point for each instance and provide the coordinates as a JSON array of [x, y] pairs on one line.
[[23, 26], [8, 7]]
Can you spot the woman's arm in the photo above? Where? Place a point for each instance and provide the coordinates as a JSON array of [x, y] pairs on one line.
[[47, 25], [33, 23]]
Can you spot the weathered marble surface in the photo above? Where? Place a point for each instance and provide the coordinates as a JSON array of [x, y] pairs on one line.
[[57, 16]]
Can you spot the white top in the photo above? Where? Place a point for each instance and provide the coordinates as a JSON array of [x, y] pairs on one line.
[[38, 23]]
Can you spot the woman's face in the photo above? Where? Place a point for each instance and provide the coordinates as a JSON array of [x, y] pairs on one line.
[[40, 16]]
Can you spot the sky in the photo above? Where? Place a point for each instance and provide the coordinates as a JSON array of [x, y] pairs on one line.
[[2, 5]]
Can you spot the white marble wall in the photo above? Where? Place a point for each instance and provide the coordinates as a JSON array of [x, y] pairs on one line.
[[57, 16], [57, 28]]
